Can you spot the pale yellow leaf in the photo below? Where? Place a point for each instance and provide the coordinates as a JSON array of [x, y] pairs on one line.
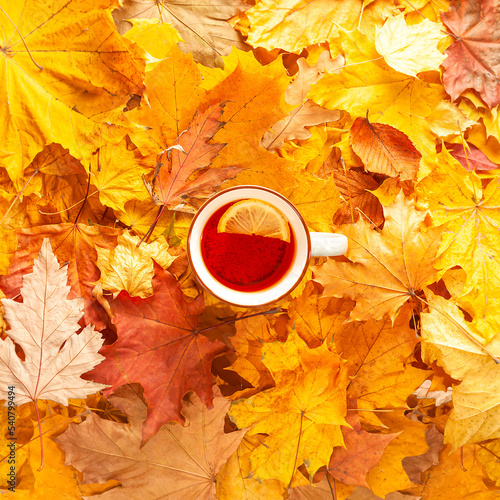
[[410, 49]]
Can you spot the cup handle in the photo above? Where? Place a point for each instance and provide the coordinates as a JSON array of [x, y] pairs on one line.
[[328, 244]]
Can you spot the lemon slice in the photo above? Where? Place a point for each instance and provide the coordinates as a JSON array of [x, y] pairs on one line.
[[255, 217]]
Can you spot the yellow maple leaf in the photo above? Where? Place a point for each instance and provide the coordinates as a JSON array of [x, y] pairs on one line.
[[247, 92], [387, 268], [389, 474], [116, 172], [130, 267], [302, 414], [456, 199], [204, 29], [410, 49], [154, 36], [368, 83], [52, 59], [317, 200]]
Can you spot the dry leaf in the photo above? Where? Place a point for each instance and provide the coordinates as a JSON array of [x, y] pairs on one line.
[[294, 125], [40, 325], [180, 462]]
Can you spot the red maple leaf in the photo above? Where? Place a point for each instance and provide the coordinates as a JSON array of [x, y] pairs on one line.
[[473, 60], [159, 347]]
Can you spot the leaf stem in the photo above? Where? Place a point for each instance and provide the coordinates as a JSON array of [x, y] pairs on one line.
[[22, 39], [153, 225], [40, 434], [86, 194]]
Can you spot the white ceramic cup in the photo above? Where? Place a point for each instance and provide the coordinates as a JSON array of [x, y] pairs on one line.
[[307, 245]]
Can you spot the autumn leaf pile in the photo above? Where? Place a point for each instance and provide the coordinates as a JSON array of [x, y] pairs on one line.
[[378, 376]]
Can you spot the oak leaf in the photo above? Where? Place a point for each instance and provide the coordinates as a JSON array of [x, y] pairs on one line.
[[308, 74], [410, 49], [171, 185], [204, 29], [293, 126], [384, 149], [472, 61], [40, 325], [387, 268], [45, 88], [159, 346], [180, 462], [418, 464], [302, 414]]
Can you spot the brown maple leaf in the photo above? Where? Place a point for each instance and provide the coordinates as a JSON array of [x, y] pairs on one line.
[[179, 462], [172, 186], [473, 61], [387, 268], [159, 346], [384, 149]]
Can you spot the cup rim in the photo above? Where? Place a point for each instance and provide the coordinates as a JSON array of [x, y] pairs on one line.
[[236, 188]]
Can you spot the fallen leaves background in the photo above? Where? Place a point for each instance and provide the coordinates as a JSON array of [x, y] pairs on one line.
[[378, 120]]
